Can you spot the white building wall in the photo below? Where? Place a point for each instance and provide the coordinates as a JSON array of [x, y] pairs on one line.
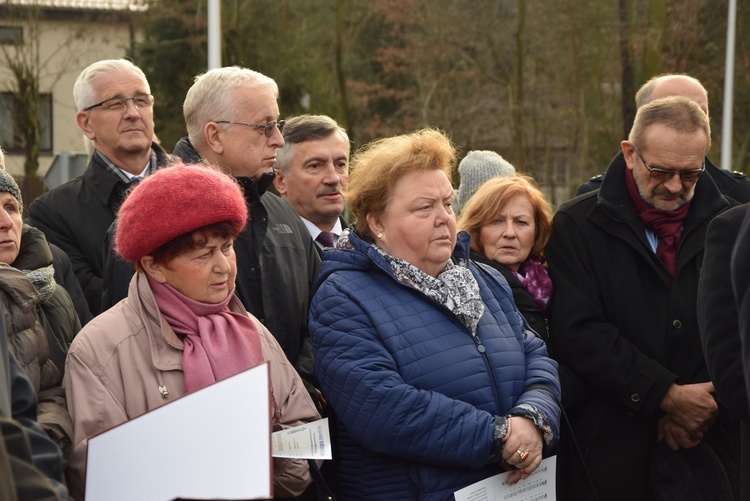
[[67, 47]]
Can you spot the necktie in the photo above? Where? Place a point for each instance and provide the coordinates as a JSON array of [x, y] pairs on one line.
[[325, 238]]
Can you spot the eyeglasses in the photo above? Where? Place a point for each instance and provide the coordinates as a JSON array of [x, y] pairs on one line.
[[686, 176], [141, 101], [267, 127]]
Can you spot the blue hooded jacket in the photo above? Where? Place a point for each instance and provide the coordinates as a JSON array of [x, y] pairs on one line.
[[415, 394]]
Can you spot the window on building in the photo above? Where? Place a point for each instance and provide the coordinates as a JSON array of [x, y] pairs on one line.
[[10, 139], [11, 35]]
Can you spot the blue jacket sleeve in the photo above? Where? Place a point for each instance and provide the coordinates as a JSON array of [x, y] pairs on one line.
[[542, 384]]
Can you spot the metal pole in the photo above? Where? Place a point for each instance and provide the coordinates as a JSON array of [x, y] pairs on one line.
[[214, 34], [726, 124]]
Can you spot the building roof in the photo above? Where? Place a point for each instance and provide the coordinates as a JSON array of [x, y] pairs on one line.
[[85, 5]]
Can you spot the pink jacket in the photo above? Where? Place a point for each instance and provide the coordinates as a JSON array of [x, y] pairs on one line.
[[122, 362]]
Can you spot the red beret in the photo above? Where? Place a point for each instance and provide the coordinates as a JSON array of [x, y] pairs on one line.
[[172, 202]]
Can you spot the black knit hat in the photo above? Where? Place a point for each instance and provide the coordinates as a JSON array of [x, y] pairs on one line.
[[9, 185]]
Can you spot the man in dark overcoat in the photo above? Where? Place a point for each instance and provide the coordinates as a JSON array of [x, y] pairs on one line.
[[115, 113], [718, 324], [625, 261]]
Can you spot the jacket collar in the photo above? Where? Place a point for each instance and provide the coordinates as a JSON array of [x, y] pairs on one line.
[[253, 190], [185, 151], [613, 202], [103, 183], [614, 198], [34, 252]]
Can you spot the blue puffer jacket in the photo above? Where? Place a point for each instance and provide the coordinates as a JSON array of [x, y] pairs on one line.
[[415, 394]]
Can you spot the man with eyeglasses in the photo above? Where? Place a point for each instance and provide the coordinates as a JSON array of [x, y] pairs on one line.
[[732, 184], [232, 120], [625, 261], [115, 112]]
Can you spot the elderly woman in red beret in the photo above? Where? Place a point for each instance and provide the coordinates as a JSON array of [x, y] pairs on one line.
[[181, 327]]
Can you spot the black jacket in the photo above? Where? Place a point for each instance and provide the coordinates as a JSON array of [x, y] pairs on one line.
[[277, 264], [717, 313], [624, 325], [740, 273], [76, 216], [734, 185], [719, 326], [67, 279]]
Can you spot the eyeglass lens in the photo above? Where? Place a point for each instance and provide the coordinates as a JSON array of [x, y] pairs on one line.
[[120, 103], [268, 130]]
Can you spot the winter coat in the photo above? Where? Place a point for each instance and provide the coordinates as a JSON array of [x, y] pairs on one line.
[[415, 394], [30, 463], [718, 322], [717, 313], [57, 313], [40, 330], [76, 215], [128, 360], [625, 326], [277, 263], [28, 342]]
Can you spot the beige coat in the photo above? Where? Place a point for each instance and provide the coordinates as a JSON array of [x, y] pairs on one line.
[[124, 361]]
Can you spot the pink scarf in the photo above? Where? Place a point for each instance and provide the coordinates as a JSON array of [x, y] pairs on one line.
[[535, 279], [218, 342]]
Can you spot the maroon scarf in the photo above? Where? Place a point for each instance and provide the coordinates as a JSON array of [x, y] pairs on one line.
[[667, 224], [218, 343]]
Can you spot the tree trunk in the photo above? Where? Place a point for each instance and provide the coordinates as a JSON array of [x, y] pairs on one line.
[[340, 75], [517, 91], [627, 95]]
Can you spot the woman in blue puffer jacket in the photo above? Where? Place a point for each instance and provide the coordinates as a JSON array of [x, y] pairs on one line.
[[422, 354]]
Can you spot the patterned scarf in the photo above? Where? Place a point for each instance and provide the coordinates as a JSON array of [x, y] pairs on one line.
[[218, 343], [535, 279], [667, 224], [455, 288], [43, 280]]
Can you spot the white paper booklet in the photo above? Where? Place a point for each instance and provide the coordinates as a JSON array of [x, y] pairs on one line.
[[214, 443], [539, 486], [308, 441]]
